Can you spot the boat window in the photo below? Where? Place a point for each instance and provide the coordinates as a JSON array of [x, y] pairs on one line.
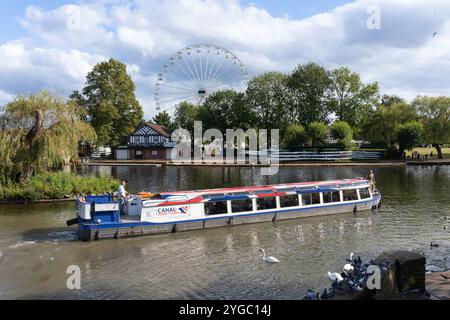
[[266, 203], [241, 205], [306, 199], [216, 207], [364, 193], [289, 201], [350, 195], [331, 196], [310, 198], [315, 198]]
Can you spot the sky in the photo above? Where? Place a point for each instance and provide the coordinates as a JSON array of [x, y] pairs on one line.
[[53, 44]]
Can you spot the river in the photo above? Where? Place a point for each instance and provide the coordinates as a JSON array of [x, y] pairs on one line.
[[36, 248]]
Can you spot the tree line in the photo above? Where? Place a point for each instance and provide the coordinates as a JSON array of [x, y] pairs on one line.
[[42, 131]]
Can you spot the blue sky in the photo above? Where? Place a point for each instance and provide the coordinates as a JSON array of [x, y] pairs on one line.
[[45, 51]]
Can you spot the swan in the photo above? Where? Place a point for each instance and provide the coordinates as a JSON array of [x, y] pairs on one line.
[[350, 259], [348, 268], [335, 277], [269, 258]]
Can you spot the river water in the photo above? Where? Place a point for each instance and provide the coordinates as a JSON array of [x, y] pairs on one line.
[[36, 248]]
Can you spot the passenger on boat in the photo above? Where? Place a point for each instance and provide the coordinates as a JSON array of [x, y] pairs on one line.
[[371, 178], [123, 196]]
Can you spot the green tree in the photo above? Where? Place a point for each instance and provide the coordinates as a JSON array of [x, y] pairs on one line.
[[349, 98], [267, 94], [434, 113], [382, 127], [317, 132], [39, 133], [185, 115], [110, 102], [163, 119], [227, 109], [388, 100], [410, 135], [343, 133], [295, 136], [308, 86]]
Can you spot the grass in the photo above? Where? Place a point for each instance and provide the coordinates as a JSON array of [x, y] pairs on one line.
[[56, 186], [424, 151]]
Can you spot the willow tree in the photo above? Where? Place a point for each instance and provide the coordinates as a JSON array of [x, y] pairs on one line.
[[39, 133]]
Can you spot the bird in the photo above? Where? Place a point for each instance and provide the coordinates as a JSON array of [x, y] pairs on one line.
[[434, 34], [325, 295], [269, 259], [348, 268], [434, 245], [335, 277], [350, 259]]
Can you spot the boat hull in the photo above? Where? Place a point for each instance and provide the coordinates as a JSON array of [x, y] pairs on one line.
[[89, 231]]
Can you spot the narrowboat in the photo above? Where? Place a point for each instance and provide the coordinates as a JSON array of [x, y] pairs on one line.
[[102, 216]]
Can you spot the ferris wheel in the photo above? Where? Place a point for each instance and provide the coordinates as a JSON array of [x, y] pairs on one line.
[[195, 72]]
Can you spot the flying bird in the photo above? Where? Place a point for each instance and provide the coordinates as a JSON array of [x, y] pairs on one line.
[[434, 34]]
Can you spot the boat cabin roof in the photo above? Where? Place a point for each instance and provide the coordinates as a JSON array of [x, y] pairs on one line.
[[242, 193]]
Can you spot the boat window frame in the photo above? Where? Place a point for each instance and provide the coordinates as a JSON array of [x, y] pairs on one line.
[[350, 189], [248, 200], [291, 196], [264, 198], [369, 192], [215, 214], [332, 199]]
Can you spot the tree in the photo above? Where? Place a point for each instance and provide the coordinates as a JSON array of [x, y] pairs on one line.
[[227, 109], [267, 95], [185, 115], [308, 86], [163, 119], [343, 133], [349, 98], [317, 132], [382, 127], [388, 100], [295, 136], [410, 135], [110, 102], [39, 133], [434, 113]]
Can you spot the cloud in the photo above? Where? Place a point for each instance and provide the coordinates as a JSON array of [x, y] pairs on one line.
[[63, 44]]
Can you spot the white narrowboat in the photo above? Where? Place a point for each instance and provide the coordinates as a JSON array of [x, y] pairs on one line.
[[102, 216]]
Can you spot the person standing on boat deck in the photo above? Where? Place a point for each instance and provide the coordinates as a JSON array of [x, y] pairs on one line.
[[371, 178], [123, 196]]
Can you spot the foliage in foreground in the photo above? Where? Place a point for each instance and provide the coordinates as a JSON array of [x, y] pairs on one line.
[[55, 186]]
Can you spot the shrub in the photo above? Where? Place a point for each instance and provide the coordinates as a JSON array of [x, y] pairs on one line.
[[317, 132], [295, 136], [343, 133]]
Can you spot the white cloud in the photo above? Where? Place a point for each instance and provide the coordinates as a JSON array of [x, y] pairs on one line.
[[65, 43]]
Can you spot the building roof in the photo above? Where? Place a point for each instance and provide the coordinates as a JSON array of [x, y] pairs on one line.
[[160, 129]]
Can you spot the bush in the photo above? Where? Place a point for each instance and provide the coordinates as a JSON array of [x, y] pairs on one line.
[[343, 133], [59, 185], [295, 136], [317, 132]]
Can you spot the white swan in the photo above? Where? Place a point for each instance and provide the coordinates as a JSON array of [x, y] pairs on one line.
[[269, 258], [348, 268], [335, 277]]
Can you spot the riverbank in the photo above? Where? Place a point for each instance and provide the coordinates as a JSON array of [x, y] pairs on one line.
[[54, 187], [377, 163]]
